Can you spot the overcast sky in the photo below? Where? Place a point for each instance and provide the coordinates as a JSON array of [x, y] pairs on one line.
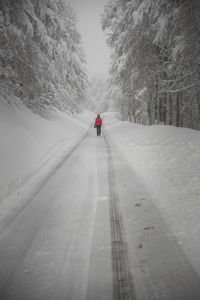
[[88, 13]]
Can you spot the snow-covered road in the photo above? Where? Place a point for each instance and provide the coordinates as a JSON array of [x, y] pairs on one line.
[[62, 237], [157, 264], [93, 232]]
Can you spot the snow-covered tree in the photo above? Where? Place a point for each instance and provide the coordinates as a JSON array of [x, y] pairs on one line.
[[41, 59], [155, 46], [99, 98]]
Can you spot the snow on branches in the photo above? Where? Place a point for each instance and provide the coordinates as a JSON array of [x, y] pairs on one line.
[[154, 44], [40, 49]]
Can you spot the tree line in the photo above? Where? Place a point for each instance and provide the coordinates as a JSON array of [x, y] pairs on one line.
[[41, 60], [155, 59]]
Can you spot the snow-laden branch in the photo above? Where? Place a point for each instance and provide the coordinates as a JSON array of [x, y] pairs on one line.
[[179, 90], [176, 80]]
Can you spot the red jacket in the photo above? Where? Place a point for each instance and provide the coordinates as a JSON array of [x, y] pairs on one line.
[[98, 122]]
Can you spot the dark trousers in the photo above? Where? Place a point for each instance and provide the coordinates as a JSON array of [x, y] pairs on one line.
[[98, 130]]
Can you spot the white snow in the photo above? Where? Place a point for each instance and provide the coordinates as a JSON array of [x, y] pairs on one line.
[[72, 242], [167, 159], [27, 141]]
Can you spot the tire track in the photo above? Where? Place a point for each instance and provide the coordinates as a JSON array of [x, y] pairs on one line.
[[8, 219], [123, 288], [162, 270]]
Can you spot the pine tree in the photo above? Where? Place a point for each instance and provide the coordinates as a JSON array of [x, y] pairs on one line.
[[155, 46], [41, 59]]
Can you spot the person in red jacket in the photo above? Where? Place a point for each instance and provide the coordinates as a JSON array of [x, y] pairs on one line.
[[98, 124]]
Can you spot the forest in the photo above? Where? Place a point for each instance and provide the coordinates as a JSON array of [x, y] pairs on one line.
[[155, 60], [154, 76], [41, 60]]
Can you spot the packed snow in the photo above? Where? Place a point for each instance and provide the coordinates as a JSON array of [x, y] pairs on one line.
[[73, 191], [167, 159], [28, 141]]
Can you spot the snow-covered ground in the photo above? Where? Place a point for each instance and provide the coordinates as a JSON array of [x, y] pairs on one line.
[[27, 141], [167, 159], [70, 200]]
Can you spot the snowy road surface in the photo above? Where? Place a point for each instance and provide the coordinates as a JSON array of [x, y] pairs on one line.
[[92, 232]]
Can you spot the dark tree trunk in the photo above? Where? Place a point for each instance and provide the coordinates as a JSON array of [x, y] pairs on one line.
[[149, 107], [156, 101], [180, 109], [170, 110], [164, 110], [198, 101], [177, 110]]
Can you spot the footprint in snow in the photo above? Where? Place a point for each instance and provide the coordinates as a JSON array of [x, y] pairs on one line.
[[149, 227]]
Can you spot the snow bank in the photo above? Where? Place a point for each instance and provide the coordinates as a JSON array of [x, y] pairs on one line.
[[27, 141], [86, 117], [167, 159]]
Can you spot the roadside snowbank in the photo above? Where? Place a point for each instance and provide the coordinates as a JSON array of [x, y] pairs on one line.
[[28, 141], [167, 159], [86, 117]]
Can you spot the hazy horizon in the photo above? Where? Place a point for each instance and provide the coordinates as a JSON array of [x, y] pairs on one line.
[[88, 13]]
